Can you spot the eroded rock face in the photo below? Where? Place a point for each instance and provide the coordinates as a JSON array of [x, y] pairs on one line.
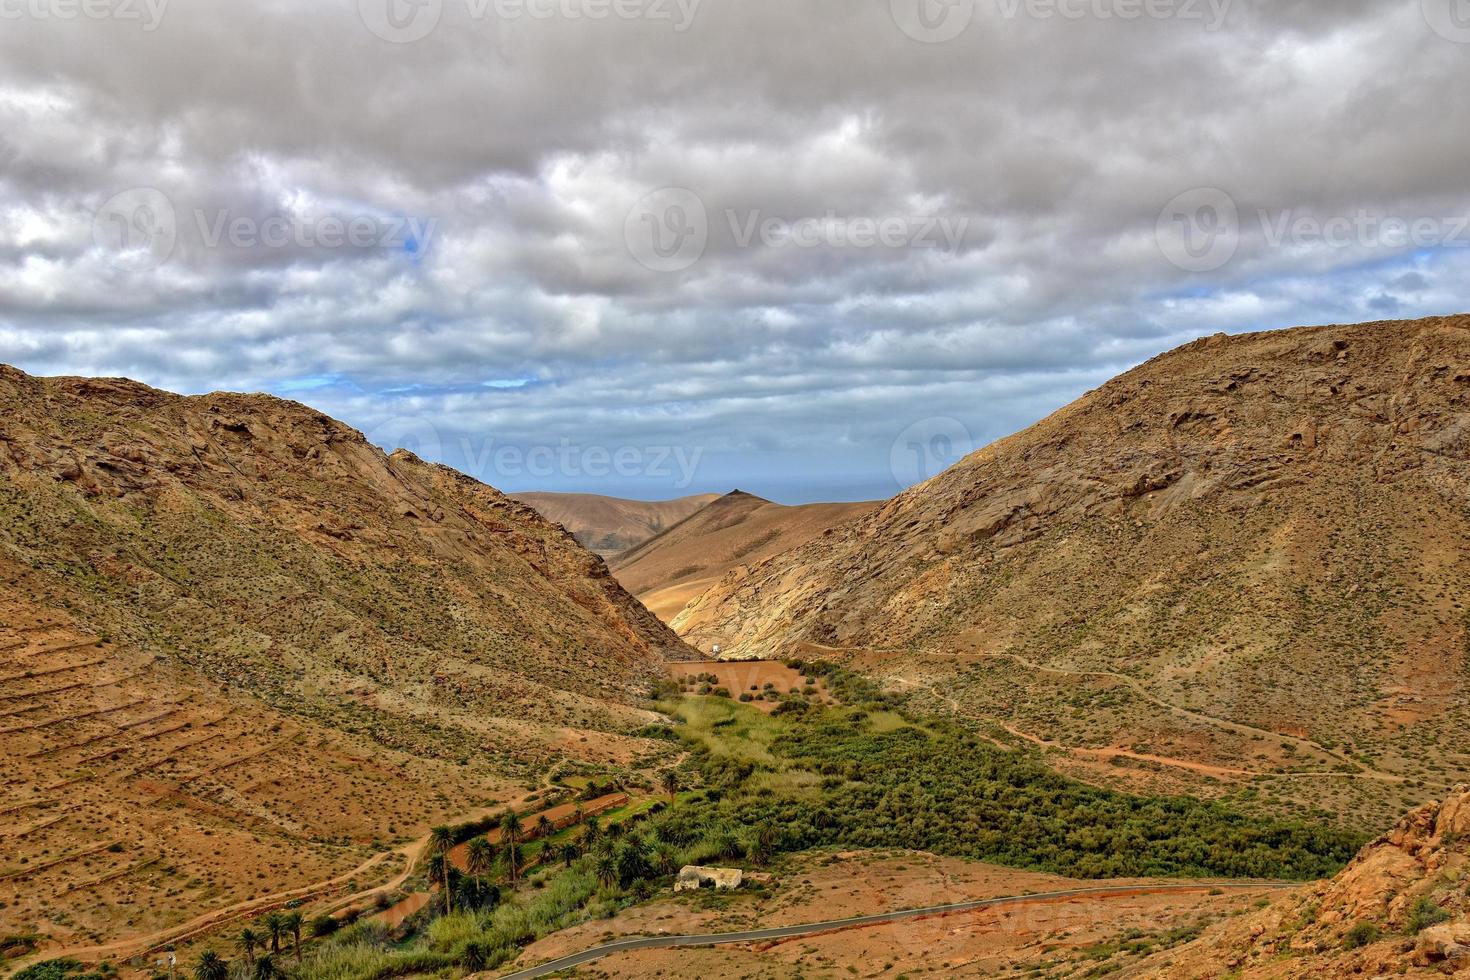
[[1266, 425], [1391, 893], [1442, 943]]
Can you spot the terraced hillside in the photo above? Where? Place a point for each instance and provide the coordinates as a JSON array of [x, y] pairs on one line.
[[1240, 568], [137, 795], [242, 650]]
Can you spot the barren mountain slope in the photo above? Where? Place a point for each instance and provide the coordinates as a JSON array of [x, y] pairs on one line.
[[1247, 536], [239, 645], [735, 530], [609, 525], [1404, 902]]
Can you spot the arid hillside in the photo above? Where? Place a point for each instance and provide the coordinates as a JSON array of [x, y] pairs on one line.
[[609, 525], [242, 651], [1401, 907], [734, 531], [1247, 558]]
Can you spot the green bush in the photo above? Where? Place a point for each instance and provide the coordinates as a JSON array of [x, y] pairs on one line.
[[930, 786], [1360, 935], [324, 925], [1425, 913]]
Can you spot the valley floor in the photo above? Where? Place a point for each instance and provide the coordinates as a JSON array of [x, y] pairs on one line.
[[1051, 935]]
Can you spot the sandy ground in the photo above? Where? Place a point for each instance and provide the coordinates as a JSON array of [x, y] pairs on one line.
[[820, 887], [747, 677]]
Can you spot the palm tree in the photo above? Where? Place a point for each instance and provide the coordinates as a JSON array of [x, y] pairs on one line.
[[510, 828], [632, 862], [510, 825], [293, 926], [762, 844], [512, 853], [570, 852], [474, 958], [664, 860], [606, 868], [266, 969], [591, 832], [480, 860], [441, 842], [670, 781], [247, 941], [211, 967], [275, 925], [544, 827]]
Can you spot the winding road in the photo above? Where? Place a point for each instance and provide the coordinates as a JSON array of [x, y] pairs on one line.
[[788, 932]]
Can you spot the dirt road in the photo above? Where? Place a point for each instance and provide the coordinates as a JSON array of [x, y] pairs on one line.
[[788, 932]]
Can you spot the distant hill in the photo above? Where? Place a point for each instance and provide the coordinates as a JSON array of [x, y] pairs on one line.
[[1250, 555], [609, 525], [735, 531], [242, 650]]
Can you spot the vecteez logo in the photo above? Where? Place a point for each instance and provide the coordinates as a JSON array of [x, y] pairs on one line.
[[1450, 19], [138, 228], [667, 230], [147, 13], [406, 21], [938, 21], [1202, 230], [933, 21], [1199, 231], [401, 21], [927, 448]]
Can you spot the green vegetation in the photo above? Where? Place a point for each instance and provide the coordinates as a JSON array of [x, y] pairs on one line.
[[65, 969], [210, 966], [1425, 913], [885, 781], [1360, 935], [860, 774]]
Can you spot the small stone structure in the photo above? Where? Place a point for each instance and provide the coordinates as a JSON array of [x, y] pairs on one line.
[[692, 879]]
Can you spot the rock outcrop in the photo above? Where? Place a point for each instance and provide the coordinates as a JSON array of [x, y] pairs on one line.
[[1401, 904]]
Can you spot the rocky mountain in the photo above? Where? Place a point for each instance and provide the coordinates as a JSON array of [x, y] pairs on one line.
[[242, 649], [609, 525], [734, 531], [1244, 558], [1403, 905]]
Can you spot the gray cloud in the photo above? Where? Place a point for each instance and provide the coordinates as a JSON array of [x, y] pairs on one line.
[[521, 146]]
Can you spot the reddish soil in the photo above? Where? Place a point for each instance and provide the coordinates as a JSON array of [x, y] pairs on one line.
[[396, 914], [825, 886], [746, 677], [560, 816]]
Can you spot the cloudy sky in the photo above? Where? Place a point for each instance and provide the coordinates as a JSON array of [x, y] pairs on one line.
[[810, 248]]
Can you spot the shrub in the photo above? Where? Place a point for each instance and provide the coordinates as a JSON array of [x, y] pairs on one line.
[[1424, 914], [1360, 935], [324, 925]]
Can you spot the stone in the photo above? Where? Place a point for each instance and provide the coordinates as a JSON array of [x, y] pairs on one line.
[[693, 878]]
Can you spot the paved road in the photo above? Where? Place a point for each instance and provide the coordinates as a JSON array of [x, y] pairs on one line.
[[786, 932]]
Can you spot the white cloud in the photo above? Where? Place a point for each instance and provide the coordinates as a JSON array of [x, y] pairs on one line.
[[524, 317]]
